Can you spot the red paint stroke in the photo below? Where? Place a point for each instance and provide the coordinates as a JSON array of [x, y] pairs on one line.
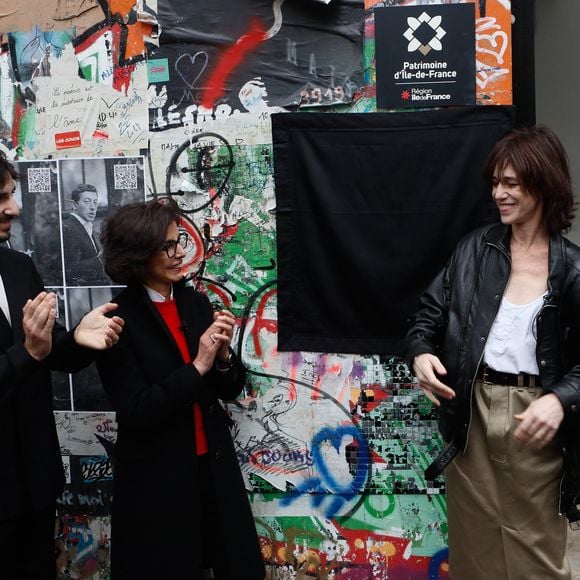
[[222, 295], [230, 60], [376, 458], [18, 113], [260, 323], [198, 254], [334, 369], [122, 74]]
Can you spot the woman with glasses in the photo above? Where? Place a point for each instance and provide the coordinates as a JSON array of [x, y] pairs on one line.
[[179, 502]]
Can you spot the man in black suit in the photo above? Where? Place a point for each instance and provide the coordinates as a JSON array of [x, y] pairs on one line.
[[83, 266], [31, 344]]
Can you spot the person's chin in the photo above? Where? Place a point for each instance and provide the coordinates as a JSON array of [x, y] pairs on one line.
[[506, 219]]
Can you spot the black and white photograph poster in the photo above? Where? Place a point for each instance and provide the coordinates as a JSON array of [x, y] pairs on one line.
[[90, 190], [425, 55]]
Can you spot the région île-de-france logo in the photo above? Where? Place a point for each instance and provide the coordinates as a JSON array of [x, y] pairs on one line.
[[424, 33]]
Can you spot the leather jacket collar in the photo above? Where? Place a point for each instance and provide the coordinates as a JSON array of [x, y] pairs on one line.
[[500, 236]]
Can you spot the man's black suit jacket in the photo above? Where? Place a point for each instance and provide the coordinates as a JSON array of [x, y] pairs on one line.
[[82, 266], [32, 474]]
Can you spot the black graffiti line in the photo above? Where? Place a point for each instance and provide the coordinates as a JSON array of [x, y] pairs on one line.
[[272, 266], [172, 169]]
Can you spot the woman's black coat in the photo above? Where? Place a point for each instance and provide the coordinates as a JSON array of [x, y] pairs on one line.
[[156, 501]]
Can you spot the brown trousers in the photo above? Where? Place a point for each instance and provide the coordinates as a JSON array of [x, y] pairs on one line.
[[502, 497]]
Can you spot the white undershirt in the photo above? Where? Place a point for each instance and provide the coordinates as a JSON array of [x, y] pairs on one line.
[[156, 296], [511, 345], [4, 301]]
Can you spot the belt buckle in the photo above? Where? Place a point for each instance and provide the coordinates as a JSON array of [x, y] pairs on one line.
[[484, 374]]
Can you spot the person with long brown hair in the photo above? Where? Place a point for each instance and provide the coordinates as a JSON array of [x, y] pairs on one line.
[[496, 344]]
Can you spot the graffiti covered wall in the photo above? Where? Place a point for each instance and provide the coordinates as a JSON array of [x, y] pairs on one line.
[[140, 101]]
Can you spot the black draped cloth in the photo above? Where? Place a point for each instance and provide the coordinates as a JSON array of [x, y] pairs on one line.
[[369, 208]]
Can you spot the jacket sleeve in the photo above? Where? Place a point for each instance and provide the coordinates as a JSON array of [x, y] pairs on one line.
[[228, 384], [567, 388], [428, 324], [66, 355]]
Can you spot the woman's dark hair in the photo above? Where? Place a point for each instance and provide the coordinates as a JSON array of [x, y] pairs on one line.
[[541, 164], [132, 235], [7, 169]]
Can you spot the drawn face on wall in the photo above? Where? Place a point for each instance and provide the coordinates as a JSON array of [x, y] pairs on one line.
[[86, 206], [277, 401], [9, 209]]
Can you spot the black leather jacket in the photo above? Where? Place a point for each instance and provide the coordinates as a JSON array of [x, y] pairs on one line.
[[456, 314]]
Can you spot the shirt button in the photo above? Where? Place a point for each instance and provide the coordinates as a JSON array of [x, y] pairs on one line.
[[482, 339], [496, 296], [543, 363]]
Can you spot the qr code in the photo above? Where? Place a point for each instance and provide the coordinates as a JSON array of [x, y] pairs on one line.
[[125, 176], [39, 180]]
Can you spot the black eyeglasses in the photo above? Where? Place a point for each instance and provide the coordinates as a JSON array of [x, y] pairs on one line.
[[170, 246]]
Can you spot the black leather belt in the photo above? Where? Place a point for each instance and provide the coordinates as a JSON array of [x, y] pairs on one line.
[[488, 375]]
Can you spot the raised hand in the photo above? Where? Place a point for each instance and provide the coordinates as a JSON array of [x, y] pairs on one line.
[[427, 367], [38, 319], [215, 341], [226, 321], [98, 331]]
